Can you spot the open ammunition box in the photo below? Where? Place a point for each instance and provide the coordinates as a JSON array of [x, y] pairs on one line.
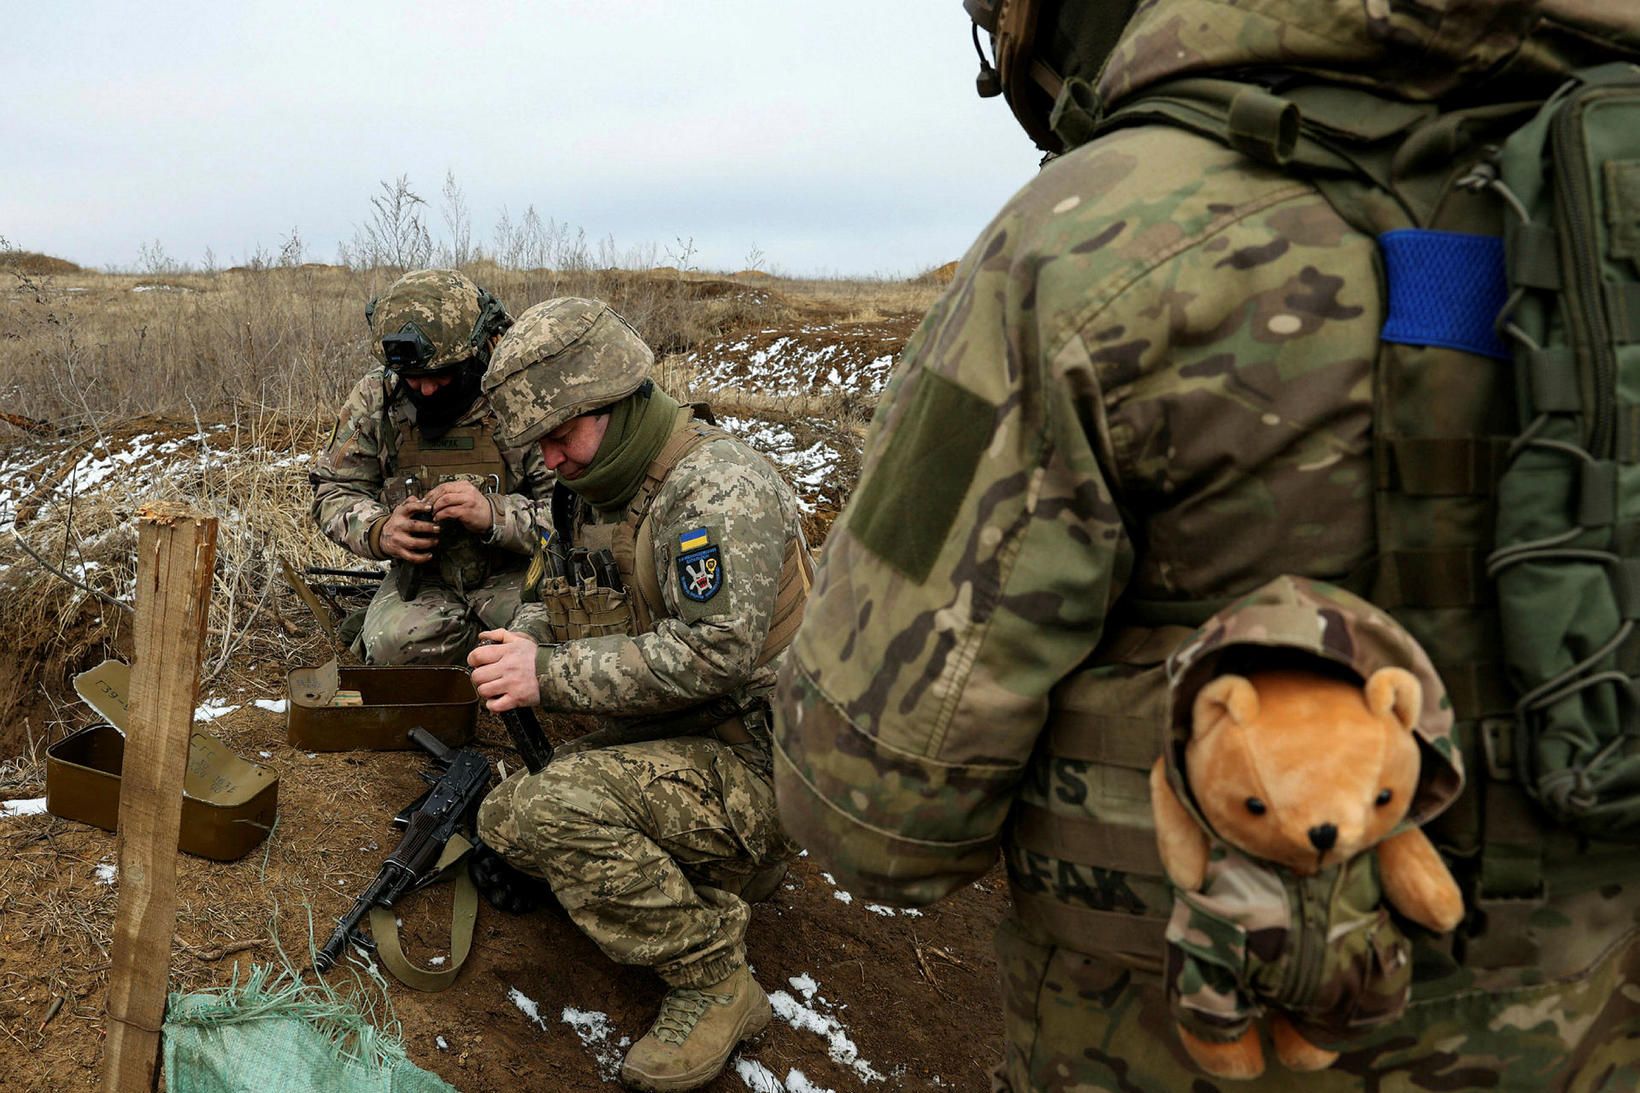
[[228, 804], [389, 703]]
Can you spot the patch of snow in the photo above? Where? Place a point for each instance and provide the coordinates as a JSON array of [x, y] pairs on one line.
[[829, 879], [758, 1078], [594, 1031], [213, 709], [443, 1044], [35, 807], [106, 872], [805, 985], [798, 1082], [264, 755], [843, 897], [527, 1004], [272, 705], [436, 961], [889, 912], [93, 469], [808, 1018]]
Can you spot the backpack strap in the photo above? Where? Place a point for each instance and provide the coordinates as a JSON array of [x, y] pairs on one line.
[[1442, 421], [634, 541]]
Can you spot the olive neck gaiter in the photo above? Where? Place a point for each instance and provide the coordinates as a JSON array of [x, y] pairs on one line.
[[638, 428]]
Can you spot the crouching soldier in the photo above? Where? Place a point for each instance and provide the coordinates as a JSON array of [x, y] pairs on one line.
[[414, 476], [675, 582]]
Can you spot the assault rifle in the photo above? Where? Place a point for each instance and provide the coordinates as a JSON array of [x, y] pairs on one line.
[[456, 789]]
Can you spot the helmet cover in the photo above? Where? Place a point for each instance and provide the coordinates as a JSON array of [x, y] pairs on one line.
[[433, 319], [563, 358]]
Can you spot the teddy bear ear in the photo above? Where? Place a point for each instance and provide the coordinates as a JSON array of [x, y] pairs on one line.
[[1396, 692], [1227, 697]]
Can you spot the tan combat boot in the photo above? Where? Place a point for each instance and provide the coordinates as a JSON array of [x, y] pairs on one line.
[[695, 1033]]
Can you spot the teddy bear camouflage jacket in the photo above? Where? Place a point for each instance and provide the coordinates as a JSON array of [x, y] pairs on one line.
[[1324, 948]]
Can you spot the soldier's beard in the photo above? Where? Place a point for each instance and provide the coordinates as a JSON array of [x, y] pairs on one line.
[[437, 413]]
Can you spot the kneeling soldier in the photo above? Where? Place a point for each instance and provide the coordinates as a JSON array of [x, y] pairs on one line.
[[674, 582], [414, 475]]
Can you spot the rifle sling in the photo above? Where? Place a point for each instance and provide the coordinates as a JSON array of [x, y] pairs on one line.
[[384, 928]]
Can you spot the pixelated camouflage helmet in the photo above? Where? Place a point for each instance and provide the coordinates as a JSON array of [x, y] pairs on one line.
[[1048, 53], [433, 319], [564, 358]]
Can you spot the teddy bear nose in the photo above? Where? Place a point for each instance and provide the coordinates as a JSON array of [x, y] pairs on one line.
[[1323, 836]]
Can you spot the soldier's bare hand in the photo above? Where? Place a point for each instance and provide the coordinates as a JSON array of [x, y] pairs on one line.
[[408, 533], [504, 672], [460, 500]]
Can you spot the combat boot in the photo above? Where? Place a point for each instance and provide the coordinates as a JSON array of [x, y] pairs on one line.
[[695, 1033]]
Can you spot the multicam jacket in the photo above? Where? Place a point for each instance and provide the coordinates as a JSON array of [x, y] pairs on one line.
[[1148, 391], [349, 479], [1323, 948]]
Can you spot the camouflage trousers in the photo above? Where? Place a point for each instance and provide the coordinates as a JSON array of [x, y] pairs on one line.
[[439, 626], [644, 845], [1077, 1022]]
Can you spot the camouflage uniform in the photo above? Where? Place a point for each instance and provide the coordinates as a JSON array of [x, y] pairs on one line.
[[474, 582], [1151, 384], [647, 844]]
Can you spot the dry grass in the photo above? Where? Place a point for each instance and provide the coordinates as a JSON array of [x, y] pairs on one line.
[[261, 506], [79, 349]]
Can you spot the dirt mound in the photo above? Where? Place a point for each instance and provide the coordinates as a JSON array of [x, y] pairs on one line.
[[940, 275], [27, 261], [805, 358]]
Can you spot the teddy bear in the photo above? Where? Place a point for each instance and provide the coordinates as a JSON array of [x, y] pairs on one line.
[[1283, 835]]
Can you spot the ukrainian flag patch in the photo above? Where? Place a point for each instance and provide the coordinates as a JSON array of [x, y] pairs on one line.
[[692, 540]]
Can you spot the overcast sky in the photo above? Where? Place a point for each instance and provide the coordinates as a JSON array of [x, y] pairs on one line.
[[836, 138]]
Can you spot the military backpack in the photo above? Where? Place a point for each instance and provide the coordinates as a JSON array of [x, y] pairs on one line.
[[1507, 434]]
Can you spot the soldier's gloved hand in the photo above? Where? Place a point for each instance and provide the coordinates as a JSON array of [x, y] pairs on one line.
[[458, 499], [408, 534], [504, 672], [504, 886]]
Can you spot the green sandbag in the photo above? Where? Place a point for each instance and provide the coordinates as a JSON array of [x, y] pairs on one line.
[[276, 1034]]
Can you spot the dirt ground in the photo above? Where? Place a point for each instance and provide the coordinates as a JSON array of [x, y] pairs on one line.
[[914, 995]]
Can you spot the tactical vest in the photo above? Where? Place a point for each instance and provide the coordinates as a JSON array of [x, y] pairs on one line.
[[590, 602], [467, 452], [1449, 420]]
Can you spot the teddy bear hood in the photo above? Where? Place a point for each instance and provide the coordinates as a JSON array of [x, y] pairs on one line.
[[1296, 615]]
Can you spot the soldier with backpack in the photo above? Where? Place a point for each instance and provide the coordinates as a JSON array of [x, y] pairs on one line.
[[1349, 292]]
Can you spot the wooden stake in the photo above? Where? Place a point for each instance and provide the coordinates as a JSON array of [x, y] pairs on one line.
[[176, 549]]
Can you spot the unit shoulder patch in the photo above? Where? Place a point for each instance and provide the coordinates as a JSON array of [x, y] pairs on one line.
[[699, 565]]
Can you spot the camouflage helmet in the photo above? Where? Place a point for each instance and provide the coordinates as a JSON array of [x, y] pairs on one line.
[[564, 358], [433, 319], [1048, 53]]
